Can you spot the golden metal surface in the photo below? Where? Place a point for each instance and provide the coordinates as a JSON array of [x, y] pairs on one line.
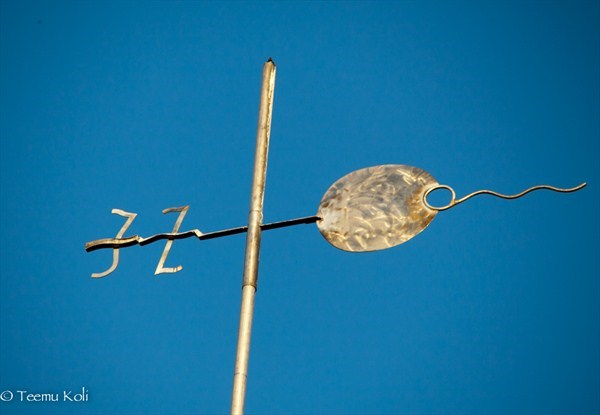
[[453, 201], [255, 217], [130, 217], [160, 268], [376, 208]]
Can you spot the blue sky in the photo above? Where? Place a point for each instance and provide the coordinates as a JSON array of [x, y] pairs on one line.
[[142, 106]]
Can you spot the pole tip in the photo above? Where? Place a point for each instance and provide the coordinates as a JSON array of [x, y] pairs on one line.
[[271, 60]]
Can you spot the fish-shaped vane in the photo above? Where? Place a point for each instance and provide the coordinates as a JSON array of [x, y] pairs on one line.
[[383, 206], [367, 210]]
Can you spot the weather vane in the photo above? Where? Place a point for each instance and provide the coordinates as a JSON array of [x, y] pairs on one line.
[[369, 209]]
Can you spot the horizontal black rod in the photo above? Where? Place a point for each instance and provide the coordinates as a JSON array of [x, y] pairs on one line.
[[180, 235], [265, 227], [225, 232], [117, 243], [290, 222]]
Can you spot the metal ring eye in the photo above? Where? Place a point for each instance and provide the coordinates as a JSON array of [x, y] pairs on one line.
[[438, 187]]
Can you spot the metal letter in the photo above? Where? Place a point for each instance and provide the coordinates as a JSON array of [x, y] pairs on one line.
[[130, 217], [160, 269]]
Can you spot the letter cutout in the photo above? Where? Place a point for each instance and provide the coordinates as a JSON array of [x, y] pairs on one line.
[[130, 217], [160, 269]]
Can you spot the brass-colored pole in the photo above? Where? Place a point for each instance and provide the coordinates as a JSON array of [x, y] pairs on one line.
[[255, 218]]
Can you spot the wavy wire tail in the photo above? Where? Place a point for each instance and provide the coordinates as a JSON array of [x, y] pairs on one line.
[[454, 201]]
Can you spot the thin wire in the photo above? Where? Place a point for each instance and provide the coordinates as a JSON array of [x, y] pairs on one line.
[[454, 201], [119, 242]]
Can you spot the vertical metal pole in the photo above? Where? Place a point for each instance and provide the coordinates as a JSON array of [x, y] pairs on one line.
[[255, 218]]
